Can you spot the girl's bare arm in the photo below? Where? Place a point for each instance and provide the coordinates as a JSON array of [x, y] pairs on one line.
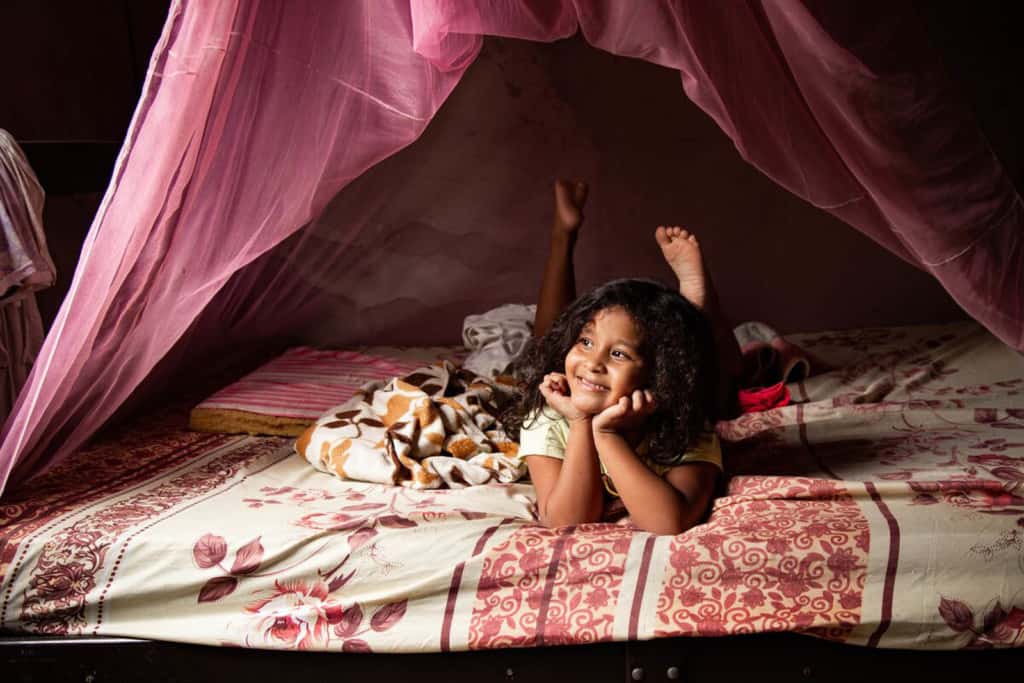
[[662, 506], [569, 491]]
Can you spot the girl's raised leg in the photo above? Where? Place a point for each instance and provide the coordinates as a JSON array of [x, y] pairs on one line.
[[558, 288], [682, 252]]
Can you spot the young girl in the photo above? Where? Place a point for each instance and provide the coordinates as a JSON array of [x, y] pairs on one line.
[[620, 387]]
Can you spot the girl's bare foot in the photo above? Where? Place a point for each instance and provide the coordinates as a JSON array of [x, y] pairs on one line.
[[682, 252], [570, 196]]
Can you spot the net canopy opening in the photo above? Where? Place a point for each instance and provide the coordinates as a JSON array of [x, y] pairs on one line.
[[226, 219]]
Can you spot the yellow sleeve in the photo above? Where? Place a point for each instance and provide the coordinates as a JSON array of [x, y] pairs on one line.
[[543, 434], [707, 449]]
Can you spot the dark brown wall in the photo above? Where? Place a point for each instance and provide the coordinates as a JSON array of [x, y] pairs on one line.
[[72, 73], [982, 51], [70, 76]]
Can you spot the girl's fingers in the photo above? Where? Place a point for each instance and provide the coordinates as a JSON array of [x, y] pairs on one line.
[[638, 401], [619, 409], [648, 400], [554, 382], [623, 407]]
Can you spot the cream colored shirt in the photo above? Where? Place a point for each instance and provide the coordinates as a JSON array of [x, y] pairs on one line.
[[548, 433]]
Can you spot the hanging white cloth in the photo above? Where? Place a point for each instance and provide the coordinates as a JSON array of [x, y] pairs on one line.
[[25, 267], [497, 337]]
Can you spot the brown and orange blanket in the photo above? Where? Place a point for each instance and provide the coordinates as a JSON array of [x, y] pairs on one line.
[[437, 426]]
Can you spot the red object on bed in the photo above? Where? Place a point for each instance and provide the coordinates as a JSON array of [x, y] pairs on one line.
[[764, 398]]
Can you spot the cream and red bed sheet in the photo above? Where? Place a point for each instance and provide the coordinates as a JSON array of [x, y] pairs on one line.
[[886, 511]]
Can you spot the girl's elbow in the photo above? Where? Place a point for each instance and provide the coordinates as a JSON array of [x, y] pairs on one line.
[[555, 519], [550, 522], [673, 525], [666, 528]]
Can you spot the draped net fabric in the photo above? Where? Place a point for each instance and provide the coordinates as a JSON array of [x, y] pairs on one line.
[[255, 115], [25, 268]]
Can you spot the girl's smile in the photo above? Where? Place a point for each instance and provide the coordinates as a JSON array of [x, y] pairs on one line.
[[606, 362], [590, 386]]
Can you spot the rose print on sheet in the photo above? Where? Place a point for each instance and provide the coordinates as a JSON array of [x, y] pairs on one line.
[[312, 613], [278, 495], [999, 627], [984, 496], [210, 551], [296, 615], [304, 615]]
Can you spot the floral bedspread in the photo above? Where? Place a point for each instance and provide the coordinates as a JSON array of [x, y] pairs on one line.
[[885, 509]]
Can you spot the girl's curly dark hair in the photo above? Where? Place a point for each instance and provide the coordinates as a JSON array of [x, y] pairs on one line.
[[677, 344]]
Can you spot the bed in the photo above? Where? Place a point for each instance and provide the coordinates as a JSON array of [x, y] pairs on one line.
[[883, 509]]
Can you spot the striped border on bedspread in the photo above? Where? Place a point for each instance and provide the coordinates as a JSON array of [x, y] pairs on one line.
[[303, 383]]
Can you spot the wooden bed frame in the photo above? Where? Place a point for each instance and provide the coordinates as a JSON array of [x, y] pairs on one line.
[[764, 658]]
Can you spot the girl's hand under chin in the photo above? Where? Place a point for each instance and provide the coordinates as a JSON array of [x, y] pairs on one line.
[[555, 389], [627, 414]]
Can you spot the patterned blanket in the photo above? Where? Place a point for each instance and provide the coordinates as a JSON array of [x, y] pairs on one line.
[[437, 426], [885, 510]]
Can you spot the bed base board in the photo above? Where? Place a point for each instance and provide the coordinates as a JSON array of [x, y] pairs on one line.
[[768, 657]]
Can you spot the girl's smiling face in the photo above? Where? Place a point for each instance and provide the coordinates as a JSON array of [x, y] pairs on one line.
[[606, 362]]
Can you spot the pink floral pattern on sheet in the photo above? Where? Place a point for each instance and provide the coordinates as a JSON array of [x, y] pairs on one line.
[[915, 368], [211, 550], [997, 626], [374, 506], [779, 554], [938, 445], [984, 496], [317, 614], [307, 615], [860, 340], [295, 616], [550, 587], [96, 471], [287, 495], [759, 424], [65, 573]]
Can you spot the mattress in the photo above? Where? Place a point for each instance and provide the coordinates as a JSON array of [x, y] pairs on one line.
[[883, 510], [287, 394]]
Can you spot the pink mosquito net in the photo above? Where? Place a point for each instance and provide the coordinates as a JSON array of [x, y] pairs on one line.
[[241, 207]]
